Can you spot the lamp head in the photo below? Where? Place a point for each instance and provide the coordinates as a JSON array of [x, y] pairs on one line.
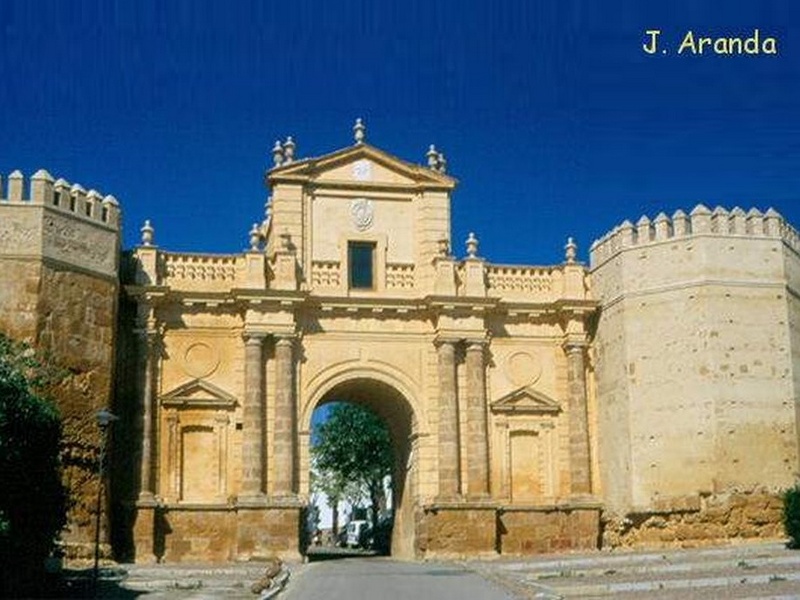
[[105, 417]]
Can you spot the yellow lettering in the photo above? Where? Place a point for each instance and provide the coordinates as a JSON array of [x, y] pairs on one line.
[[751, 45], [770, 46], [650, 47], [687, 43]]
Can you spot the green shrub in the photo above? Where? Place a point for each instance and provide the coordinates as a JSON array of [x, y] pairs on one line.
[[791, 515], [32, 495]]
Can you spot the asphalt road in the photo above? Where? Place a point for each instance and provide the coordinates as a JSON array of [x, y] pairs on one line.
[[385, 579]]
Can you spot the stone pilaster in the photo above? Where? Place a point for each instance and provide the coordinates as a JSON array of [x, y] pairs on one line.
[[285, 416], [253, 420], [579, 463], [477, 433], [149, 343], [449, 471]]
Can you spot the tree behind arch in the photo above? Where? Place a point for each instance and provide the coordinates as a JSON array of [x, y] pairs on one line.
[[354, 445]]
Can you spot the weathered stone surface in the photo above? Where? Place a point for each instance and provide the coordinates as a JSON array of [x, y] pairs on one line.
[[716, 519], [540, 531], [459, 532]]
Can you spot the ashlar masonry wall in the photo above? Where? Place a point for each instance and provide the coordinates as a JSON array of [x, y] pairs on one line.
[[59, 247], [696, 386]]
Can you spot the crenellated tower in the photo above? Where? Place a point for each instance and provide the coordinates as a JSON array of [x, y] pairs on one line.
[[59, 257], [695, 346]]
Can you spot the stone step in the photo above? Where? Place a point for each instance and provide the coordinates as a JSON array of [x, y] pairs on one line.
[[659, 584], [668, 566]]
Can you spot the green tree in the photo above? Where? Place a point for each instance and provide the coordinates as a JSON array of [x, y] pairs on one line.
[[32, 496], [353, 446]]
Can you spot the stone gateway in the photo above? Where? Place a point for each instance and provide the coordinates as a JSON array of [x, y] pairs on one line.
[[649, 398]]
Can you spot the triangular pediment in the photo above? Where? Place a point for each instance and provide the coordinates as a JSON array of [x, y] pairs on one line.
[[526, 400], [361, 165], [198, 394]]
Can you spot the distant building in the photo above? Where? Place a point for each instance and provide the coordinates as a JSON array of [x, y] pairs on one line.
[[649, 398]]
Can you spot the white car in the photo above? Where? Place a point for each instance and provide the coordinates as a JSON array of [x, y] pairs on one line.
[[358, 533]]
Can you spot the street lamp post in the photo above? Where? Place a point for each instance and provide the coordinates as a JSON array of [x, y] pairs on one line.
[[104, 419]]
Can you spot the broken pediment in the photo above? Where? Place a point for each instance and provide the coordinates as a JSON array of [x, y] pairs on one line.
[[198, 394], [361, 165], [526, 400]]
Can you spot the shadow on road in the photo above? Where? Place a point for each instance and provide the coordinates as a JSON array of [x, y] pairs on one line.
[[320, 553], [78, 583]]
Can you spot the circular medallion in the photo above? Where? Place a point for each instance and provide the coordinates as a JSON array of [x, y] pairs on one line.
[[362, 170], [200, 360], [362, 212], [522, 368]]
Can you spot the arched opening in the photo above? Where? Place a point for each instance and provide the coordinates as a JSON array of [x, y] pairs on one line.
[[395, 411]]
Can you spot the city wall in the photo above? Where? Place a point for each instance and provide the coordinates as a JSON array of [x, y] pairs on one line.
[[694, 353], [59, 247]]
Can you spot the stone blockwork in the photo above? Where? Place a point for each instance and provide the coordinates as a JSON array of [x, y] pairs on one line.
[[58, 291], [699, 522], [696, 382], [544, 530], [215, 534], [457, 531]]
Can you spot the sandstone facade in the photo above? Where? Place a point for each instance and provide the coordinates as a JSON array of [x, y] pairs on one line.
[[647, 399]]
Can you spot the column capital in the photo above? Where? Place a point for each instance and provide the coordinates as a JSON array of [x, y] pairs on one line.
[[574, 343], [284, 339], [253, 337], [445, 340], [476, 343]]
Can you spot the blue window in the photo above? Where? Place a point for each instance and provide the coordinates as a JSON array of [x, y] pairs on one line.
[[361, 264]]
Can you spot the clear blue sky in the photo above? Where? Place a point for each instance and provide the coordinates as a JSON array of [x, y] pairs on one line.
[[549, 110]]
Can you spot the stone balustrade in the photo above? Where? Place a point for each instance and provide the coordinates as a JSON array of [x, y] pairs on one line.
[[325, 274], [400, 277], [520, 281], [212, 272]]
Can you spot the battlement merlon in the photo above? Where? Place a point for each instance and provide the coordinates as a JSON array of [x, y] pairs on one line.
[[701, 221], [59, 195]]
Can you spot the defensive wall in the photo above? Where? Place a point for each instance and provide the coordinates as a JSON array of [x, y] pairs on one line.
[[695, 353], [59, 247]]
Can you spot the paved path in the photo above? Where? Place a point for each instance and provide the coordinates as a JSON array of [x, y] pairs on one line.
[[390, 580], [756, 571]]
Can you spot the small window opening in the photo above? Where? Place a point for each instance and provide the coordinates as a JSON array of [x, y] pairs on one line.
[[361, 263]]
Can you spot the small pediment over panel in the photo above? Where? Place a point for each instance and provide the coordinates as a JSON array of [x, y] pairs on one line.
[[198, 394], [526, 400], [362, 165]]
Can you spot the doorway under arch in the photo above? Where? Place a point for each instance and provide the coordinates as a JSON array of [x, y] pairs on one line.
[[397, 412]]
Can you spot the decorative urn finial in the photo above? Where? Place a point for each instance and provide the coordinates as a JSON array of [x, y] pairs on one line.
[[433, 157], [359, 131], [441, 163], [147, 233], [255, 237], [570, 251], [277, 153], [472, 245], [288, 149]]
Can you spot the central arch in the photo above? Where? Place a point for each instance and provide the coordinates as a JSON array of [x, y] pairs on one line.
[[381, 394]]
